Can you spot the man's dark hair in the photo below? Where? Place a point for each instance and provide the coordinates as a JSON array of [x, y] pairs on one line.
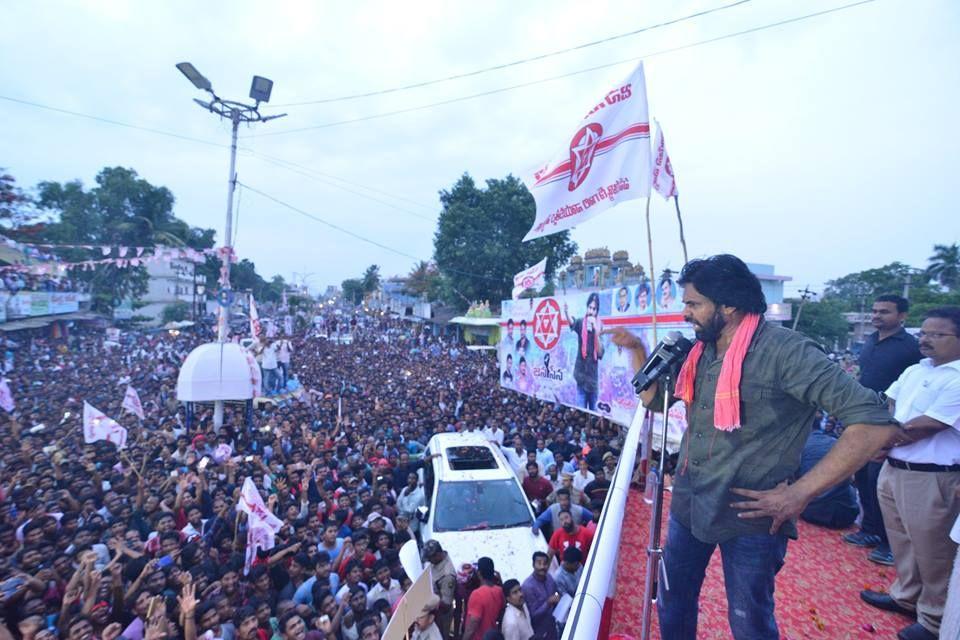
[[572, 554], [509, 322], [509, 585], [246, 611], [726, 280], [538, 554], [563, 491], [903, 305], [947, 313]]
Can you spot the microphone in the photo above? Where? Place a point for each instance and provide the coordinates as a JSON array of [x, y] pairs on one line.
[[671, 350]]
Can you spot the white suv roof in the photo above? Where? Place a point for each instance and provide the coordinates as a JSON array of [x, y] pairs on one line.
[[481, 460]]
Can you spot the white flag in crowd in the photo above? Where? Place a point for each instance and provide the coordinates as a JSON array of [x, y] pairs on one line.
[[131, 402], [662, 178], [262, 525], [532, 278], [97, 426], [6, 398], [255, 327], [606, 162]]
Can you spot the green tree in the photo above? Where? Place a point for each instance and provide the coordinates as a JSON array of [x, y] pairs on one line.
[[371, 279], [856, 289], [176, 312], [944, 265], [14, 203], [122, 209], [822, 321], [478, 245], [423, 280], [352, 290]]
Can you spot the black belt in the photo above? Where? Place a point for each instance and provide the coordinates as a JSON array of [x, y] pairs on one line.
[[922, 466]]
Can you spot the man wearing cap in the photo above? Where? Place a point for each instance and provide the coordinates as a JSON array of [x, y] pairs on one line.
[[444, 582], [425, 626], [485, 604]]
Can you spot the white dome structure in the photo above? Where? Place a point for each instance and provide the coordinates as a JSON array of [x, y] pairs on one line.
[[218, 371]]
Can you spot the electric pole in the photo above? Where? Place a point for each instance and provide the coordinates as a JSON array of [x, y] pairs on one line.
[[237, 112], [805, 294]]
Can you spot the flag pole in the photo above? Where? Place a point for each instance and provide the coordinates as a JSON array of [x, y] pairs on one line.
[[653, 288], [683, 241]]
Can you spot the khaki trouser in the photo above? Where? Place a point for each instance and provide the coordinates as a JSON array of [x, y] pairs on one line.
[[950, 629], [919, 508]]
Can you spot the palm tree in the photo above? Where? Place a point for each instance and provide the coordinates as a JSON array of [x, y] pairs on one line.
[[944, 265]]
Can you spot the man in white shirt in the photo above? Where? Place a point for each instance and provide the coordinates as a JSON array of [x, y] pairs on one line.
[[583, 476], [386, 587], [493, 433], [284, 349], [919, 483], [516, 456], [516, 623], [269, 366]]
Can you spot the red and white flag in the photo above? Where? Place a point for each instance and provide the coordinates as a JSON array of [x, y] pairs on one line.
[[255, 327], [262, 525], [131, 402], [6, 398], [606, 162], [534, 277], [97, 426], [662, 178]]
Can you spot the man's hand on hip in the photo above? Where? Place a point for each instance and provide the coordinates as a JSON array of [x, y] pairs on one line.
[[783, 503]]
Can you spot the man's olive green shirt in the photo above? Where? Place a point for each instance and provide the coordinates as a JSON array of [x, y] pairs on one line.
[[785, 378]]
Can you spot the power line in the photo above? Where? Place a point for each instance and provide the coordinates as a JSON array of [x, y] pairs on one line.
[[351, 233], [118, 123], [281, 164], [333, 177], [507, 65], [522, 85]]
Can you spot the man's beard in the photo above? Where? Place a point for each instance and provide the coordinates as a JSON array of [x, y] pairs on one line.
[[711, 331]]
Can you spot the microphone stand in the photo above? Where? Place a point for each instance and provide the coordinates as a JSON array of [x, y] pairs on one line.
[[655, 567]]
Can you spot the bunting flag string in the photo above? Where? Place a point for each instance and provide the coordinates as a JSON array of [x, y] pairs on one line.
[[56, 267]]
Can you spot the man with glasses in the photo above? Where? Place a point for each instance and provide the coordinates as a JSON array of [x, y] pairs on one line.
[[885, 355], [918, 485]]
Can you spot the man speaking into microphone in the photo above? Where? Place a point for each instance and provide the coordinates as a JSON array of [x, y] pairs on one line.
[[751, 389]]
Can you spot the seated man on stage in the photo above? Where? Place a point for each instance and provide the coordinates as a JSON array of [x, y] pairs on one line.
[[751, 389]]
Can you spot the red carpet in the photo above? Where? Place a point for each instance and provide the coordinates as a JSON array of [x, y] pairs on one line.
[[817, 589]]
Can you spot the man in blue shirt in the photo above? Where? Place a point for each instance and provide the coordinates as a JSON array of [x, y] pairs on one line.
[[837, 508], [541, 595]]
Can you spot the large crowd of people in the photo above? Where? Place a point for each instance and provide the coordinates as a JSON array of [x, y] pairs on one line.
[[150, 541], [147, 542]]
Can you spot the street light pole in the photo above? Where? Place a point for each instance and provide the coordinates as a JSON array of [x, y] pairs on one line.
[[238, 112]]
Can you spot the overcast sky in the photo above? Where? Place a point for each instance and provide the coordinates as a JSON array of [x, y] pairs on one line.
[[823, 146]]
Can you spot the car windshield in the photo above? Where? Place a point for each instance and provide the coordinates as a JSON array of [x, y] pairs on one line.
[[476, 505]]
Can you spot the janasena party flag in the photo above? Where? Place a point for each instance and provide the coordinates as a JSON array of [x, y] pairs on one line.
[[97, 426], [662, 178], [131, 402], [255, 327], [6, 398], [606, 161], [262, 524], [531, 278]]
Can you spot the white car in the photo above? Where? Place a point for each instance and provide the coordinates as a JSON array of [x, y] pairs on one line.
[[476, 506]]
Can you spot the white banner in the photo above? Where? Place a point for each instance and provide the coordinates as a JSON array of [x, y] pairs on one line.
[[607, 161], [262, 525], [131, 402], [662, 179], [531, 278], [255, 328], [97, 426], [6, 398]]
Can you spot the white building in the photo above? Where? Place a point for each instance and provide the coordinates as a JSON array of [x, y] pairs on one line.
[[170, 282]]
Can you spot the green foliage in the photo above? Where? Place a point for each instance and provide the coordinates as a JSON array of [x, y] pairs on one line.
[[922, 300], [856, 289], [371, 279], [478, 243], [352, 290], [122, 209], [944, 266], [822, 321], [176, 312], [14, 202]]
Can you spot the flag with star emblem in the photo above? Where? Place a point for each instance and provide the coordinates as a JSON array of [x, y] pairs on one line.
[[606, 161]]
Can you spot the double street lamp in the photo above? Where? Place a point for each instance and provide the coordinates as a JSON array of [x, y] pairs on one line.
[[237, 112]]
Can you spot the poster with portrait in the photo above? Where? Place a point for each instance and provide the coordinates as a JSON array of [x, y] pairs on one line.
[[557, 348]]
